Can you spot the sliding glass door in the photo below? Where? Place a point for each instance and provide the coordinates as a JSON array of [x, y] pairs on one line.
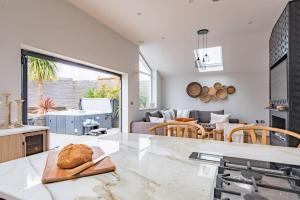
[[69, 97]]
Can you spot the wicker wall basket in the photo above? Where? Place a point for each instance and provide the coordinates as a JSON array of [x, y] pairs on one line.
[[218, 85], [231, 89], [222, 94], [194, 89], [205, 90], [212, 91], [218, 92], [205, 98]]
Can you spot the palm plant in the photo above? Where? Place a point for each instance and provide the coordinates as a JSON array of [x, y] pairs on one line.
[[41, 70]]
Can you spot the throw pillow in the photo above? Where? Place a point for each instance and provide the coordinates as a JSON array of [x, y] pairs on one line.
[[204, 116], [220, 126], [185, 113], [168, 114], [157, 119], [215, 118], [156, 113], [194, 114]]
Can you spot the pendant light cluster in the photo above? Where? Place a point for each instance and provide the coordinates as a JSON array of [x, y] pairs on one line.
[[201, 62]]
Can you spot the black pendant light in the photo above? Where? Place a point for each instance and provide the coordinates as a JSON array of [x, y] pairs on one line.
[[201, 62]]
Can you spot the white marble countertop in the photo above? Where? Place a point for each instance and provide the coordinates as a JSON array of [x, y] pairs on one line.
[[148, 167], [25, 129]]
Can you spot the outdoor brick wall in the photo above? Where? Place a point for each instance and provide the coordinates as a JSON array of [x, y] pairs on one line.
[[64, 92]]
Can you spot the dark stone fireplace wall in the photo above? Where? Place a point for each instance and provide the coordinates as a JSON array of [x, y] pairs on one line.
[[285, 44]]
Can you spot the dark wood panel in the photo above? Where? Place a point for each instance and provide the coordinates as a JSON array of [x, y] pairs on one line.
[[294, 69], [279, 40], [285, 43]]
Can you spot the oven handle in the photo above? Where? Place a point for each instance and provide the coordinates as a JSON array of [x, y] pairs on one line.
[[24, 145], [280, 137]]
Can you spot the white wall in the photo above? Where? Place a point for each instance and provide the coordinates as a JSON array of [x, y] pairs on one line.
[[245, 60], [247, 104], [58, 27]]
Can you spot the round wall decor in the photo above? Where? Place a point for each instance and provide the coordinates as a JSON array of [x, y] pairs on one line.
[[212, 91], [205, 90], [194, 89], [231, 89], [221, 94], [205, 98], [217, 85], [218, 92]]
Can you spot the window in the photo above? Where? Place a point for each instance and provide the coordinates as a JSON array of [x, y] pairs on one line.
[[215, 61], [145, 84]]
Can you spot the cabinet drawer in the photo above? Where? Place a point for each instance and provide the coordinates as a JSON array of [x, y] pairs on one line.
[[20, 145], [107, 123], [61, 124], [99, 119], [78, 130], [70, 125], [51, 123], [104, 120], [11, 147]]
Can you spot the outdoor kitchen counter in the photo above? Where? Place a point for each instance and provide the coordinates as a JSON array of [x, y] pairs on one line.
[[77, 112], [148, 167]]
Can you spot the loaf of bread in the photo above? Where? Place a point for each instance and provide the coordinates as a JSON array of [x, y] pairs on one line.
[[74, 155]]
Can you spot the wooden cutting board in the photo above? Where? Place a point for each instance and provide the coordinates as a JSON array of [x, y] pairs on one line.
[[52, 173]]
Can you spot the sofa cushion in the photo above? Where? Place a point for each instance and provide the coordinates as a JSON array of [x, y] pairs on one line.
[[168, 114], [194, 114], [204, 116], [157, 119], [234, 121], [156, 113], [183, 113], [215, 118]]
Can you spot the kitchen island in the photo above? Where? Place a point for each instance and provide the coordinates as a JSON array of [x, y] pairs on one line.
[[148, 167]]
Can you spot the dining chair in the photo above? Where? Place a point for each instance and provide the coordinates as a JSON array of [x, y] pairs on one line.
[[252, 131], [179, 129]]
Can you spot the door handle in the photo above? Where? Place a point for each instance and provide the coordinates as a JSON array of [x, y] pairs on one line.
[[24, 146]]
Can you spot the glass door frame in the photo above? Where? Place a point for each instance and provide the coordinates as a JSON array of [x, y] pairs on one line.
[[24, 78]]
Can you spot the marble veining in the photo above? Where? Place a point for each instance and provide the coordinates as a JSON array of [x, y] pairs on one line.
[[148, 167]]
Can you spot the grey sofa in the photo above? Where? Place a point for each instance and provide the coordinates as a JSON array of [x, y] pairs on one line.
[[144, 125]]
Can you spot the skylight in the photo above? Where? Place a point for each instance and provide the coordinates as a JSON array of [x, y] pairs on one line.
[[215, 61]]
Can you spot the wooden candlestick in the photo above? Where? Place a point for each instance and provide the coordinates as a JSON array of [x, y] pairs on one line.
[[7, 115], [7, 97], [7, 110]]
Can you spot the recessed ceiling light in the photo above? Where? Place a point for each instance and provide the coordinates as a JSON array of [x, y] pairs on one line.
[[163, 38], [190, 1], [215, 0], [250, 22], [139, 13]]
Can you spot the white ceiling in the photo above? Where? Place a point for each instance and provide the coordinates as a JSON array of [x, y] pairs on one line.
[[168, 29]]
